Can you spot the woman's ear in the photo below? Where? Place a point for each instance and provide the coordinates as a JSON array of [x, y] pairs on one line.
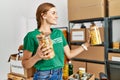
[[43, 16]]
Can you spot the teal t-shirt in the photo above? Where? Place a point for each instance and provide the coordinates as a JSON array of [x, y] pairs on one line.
[[59, 41]]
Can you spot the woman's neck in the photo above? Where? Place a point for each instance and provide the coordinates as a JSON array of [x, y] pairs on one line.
[[45, 29]]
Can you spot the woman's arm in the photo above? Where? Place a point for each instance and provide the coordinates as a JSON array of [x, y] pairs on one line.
[[28, 60], [72, 53]]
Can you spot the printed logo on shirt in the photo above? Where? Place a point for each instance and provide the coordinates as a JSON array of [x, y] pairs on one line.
[[57, 40]]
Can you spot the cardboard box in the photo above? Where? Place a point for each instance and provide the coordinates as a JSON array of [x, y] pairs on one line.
[[77, 65], [86, 9], [92, 68], [17, 68], [114, 7], [102, 33], [95, 69], [114, 56], [82, 35], [15, 77], [78, 35], [93, 53]]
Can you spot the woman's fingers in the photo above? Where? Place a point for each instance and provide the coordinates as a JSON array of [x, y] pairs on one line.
[[40, 46], [89, 36], [47, 56], [46, 48], [47, 52], [44, 52]]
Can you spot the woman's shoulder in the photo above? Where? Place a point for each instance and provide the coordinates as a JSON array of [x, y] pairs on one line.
[[32, 33]]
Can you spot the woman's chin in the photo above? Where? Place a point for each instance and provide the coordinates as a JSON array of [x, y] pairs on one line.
[[54, 24]]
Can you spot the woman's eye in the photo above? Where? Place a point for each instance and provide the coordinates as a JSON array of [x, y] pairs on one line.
[[54, 13]]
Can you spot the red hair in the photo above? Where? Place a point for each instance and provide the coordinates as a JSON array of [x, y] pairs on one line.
[[41, 10]]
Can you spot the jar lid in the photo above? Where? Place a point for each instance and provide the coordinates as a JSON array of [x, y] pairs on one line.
[[81, 68]]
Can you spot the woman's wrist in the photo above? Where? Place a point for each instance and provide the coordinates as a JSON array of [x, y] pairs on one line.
[[87, 44], [37, 57], [84, 47]]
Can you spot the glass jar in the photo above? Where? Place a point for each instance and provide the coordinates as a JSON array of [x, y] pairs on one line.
[[46, 41], [81, 71], [95, 35]]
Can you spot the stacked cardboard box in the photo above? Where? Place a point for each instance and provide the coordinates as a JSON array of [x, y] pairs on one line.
[[16, 68], [86, 9], [91, 54], [114, 7], [114, 56]]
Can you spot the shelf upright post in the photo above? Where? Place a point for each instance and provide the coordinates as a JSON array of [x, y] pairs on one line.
[[106, 42]]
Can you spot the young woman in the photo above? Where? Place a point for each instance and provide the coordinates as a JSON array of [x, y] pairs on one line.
[[34, 54]]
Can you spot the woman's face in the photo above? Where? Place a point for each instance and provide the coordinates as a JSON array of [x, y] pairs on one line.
[[51, 16]]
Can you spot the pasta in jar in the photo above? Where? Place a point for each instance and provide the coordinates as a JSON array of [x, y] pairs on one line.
[[95, 35]]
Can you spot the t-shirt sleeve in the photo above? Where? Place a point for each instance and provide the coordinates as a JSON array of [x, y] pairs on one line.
[[28, 43], [64, 39]]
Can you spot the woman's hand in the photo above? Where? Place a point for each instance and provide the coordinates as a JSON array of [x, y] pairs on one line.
[[87, 43], [43, 53], [47, 52]]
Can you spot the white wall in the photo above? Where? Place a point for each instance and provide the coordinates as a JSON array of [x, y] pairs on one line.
[[116, 30], [16, 18]]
